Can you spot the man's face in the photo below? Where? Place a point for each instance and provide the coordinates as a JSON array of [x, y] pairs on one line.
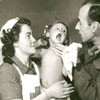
[[83, 26]]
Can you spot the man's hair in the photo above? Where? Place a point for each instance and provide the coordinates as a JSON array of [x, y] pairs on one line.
[[94, 13], [91, 1]]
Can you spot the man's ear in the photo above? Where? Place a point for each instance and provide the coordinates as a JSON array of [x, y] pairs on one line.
[[94, 26]]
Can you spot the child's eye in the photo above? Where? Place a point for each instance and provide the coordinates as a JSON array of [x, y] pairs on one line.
[[57, 28], [64, 31]]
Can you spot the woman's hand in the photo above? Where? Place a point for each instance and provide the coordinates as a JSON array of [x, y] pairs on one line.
[[60, 90]]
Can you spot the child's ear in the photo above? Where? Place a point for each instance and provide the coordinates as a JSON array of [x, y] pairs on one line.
[[48, 34], [65, 42]]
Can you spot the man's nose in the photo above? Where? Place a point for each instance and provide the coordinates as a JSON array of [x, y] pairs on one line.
[[77, 27]]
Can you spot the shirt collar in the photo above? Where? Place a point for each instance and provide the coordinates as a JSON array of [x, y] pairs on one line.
[[24, 69]]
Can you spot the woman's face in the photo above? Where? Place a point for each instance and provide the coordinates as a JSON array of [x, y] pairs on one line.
[[1, 44], [26, 42]]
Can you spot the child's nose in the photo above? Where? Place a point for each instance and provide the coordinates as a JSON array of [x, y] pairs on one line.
[[61, 30]]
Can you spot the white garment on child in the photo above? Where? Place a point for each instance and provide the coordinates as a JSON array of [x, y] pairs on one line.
[[69, 57]]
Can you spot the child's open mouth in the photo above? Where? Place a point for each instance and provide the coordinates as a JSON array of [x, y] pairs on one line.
[[58, 37]]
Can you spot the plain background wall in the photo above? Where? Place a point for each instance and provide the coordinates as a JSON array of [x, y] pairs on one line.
[[42, 12]]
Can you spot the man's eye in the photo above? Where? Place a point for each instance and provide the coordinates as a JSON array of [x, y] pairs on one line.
[[28, 36]]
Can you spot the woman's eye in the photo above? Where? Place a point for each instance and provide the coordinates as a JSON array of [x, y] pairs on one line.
[[64, 31], [80, 23]]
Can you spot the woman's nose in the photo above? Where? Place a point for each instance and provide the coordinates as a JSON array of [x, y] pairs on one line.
[[33, 39]]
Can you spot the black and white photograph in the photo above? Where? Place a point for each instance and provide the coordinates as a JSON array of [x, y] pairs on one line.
[[49, 49]]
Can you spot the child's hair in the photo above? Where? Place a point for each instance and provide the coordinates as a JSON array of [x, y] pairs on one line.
[[45, 39]]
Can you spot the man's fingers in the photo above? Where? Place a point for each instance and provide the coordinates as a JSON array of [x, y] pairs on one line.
[[97, 51], [59, 47], [68, 92], [65, 96], [57, 52], [94, 48], [67, 85], [68, 89]]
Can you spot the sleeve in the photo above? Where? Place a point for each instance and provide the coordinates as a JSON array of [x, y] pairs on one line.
[[87, 87], [9, 85]]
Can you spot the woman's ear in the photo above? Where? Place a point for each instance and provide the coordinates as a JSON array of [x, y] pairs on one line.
[[15, 44], [94, 26]]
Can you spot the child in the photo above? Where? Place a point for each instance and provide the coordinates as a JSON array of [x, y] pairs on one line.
[[51, 64]]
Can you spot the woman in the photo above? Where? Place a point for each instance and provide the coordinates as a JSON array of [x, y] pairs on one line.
[[1, 56], [19, 76]]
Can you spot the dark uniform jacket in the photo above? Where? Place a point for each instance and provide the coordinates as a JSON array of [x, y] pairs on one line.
[[87, 75]]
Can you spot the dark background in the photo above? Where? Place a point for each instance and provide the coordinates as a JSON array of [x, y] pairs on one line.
[[42, 12]]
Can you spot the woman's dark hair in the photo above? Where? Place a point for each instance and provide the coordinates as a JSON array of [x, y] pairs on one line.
[[45, 39], [10, 37]]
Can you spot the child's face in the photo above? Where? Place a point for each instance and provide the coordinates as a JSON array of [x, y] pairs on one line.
[[58, 33]]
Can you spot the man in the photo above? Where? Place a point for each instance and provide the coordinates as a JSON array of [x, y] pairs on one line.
[[86, 76], [87, 72]]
